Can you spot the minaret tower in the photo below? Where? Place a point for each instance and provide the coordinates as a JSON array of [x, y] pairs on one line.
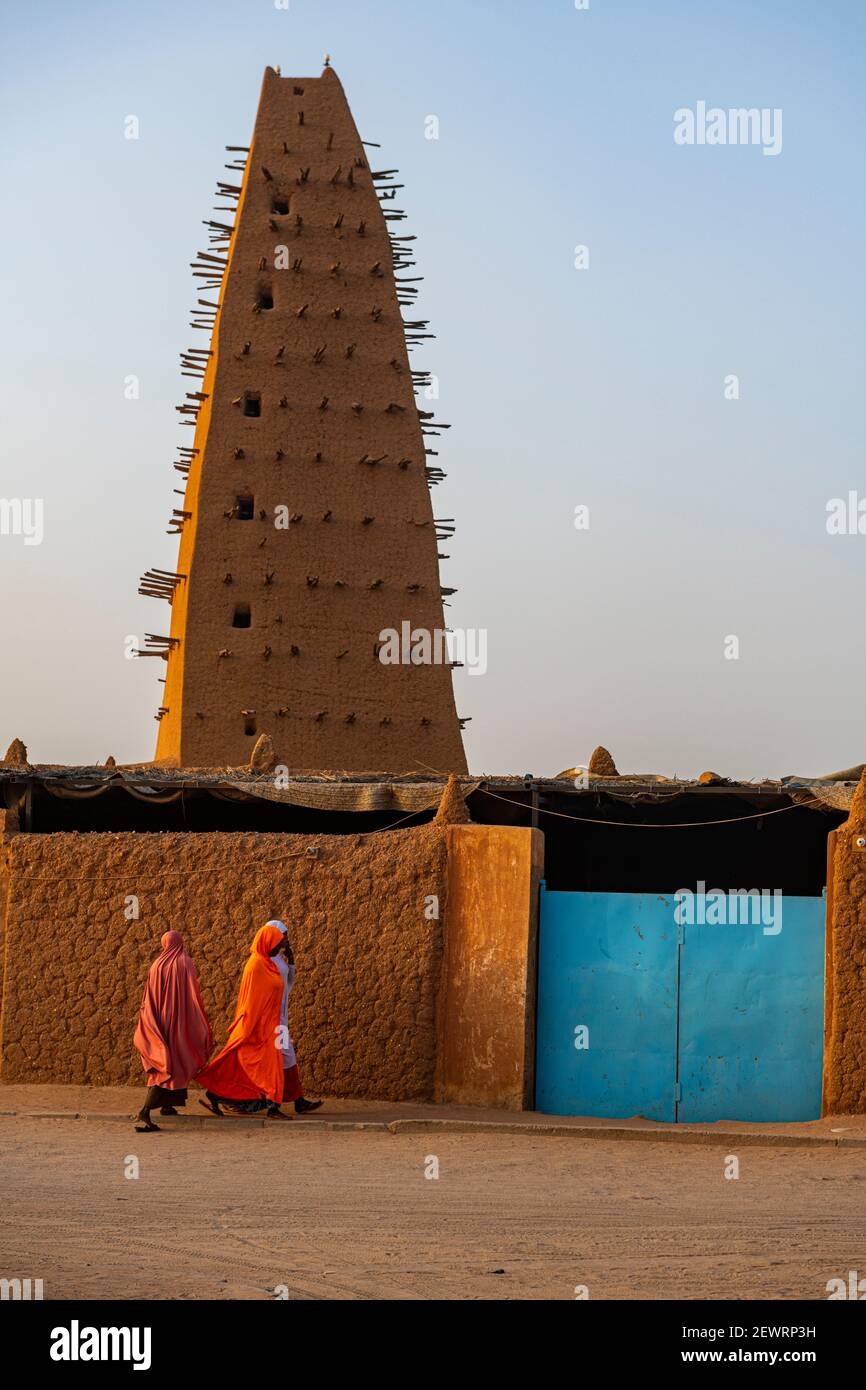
[[306, 526]]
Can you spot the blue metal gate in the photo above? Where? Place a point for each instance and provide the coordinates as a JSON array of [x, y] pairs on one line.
[[641, 1015]]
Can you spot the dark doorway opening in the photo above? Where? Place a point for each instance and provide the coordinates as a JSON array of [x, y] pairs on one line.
[[197, 810], [602, 843]]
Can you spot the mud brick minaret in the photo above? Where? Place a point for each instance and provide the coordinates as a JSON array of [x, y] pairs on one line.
[[306, 526]]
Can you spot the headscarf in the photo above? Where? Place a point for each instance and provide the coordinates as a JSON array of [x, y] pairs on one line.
[[250, 1064], [173, 1034]]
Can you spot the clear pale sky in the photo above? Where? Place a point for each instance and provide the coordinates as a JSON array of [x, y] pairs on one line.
[[601, 387]]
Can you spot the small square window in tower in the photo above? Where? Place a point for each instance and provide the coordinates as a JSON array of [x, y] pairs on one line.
[[252, 403], [280, 206], [264, 297], [244, 507], [242, 616], [249, 725]]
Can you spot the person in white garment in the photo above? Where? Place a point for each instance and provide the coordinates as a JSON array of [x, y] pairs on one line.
[[292, 1088]]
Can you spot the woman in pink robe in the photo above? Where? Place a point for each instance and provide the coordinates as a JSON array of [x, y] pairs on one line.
[[173, 1035]]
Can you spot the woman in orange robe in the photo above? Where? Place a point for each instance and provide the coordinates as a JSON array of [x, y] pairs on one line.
[[247, 1075]]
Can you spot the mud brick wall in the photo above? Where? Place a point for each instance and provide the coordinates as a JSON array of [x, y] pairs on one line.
[[845, 978], [363, 1013], [487, 1047], [338, 443]]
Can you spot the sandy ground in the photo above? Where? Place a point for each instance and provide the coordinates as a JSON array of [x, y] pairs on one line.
[[231, 1213]]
